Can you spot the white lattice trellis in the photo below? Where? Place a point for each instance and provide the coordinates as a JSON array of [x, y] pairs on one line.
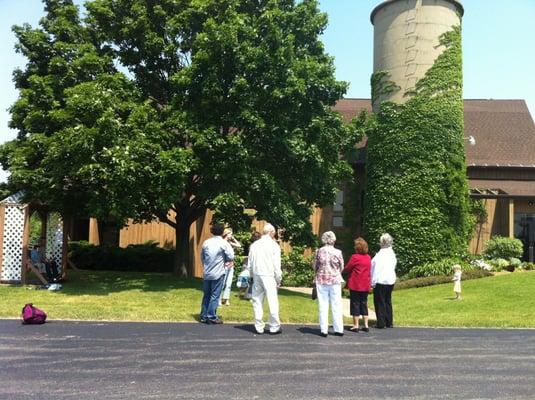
[[54, 238], [12, 246]]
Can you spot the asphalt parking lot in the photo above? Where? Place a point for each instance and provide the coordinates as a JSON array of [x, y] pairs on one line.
[[104, 360]]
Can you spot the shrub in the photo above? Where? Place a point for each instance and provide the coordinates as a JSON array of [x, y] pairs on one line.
[[442, 267], [528, 266], [503, 247], [499, 264], [515, 262], [146, 257], [296, 268], [437, 280], [481, 264]]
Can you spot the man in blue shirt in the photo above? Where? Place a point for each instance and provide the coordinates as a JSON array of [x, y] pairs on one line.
[[215, 252]]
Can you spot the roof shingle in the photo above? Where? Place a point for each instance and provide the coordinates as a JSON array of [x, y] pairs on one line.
[[503, 129]]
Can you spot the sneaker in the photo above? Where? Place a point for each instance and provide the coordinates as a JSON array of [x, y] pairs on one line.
[[277, 332], [217, 321], [364, 329]]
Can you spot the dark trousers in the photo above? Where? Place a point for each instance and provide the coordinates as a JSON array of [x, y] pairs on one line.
[[51, 271], [382, 299], [358, 303], [210, 300]]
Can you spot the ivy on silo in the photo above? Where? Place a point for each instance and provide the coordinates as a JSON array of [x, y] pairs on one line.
[[416, 171]]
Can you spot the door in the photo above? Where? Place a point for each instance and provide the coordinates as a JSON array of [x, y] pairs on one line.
[[525, 231]]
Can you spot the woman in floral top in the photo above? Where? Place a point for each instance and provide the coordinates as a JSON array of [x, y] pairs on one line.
[[328, 263]]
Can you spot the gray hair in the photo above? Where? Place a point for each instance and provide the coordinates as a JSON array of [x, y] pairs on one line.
[[328, 238], [268, 228], [386, 240]]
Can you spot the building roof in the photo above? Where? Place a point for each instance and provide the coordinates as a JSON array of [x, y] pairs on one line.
[[500, 188], [503, 129]]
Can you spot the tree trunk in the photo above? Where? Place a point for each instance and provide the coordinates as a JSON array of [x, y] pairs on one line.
[[183, 263]]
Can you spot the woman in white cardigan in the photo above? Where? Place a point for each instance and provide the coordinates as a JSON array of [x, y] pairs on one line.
[[383, 279]]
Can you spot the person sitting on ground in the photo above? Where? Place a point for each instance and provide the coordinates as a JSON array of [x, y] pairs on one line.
[[39, 261], [359, 283]]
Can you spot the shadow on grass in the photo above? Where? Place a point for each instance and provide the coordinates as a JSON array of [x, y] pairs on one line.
[[98, 283]]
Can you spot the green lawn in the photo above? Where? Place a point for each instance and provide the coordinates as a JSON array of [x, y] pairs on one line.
[[499, 301], [132, 296]]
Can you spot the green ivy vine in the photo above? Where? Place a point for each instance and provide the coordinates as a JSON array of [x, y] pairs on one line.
[[416, 171]]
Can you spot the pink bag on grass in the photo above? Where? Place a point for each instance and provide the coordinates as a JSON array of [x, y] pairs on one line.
[[32, 315]]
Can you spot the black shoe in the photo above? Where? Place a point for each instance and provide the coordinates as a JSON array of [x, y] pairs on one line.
[[354, 329], [338, 334], [380, 327], [324, 334], [277, 332], [217, 321], [364, 329]]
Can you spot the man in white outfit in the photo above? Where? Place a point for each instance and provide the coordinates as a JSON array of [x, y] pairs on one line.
[[265, 267]]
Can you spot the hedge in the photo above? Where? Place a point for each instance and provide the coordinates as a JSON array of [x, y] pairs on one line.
[[437, 280], [147, 257]]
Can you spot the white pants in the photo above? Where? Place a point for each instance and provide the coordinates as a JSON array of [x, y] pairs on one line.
[[265, 286], [330, 294]]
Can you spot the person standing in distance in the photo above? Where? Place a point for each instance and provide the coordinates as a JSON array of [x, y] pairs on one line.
[[265, 265], [215, 252]]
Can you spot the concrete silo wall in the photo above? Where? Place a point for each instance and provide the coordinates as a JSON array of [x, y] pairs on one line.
[[406, 39]]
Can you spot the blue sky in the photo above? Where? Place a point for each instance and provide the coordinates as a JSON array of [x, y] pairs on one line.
[[498, 44]]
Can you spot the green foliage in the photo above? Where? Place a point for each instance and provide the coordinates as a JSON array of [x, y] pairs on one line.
[[503, 247], [147, 257], [436, 268], [416, 173], [439, 279], [35, 229], [297, 268], [499, 264], [478, 210], [225, 105], [515, 262], [528, 266], [381, 85]]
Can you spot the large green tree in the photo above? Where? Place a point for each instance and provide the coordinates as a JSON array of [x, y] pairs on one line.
[[214, 104]]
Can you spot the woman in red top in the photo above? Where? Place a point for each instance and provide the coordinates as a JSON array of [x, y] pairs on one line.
[[358, 279]]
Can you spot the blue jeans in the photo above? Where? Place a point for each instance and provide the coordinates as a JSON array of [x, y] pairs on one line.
[[227, 284], [210, 300]]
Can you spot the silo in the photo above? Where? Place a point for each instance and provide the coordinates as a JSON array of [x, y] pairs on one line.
[[406, 39]]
